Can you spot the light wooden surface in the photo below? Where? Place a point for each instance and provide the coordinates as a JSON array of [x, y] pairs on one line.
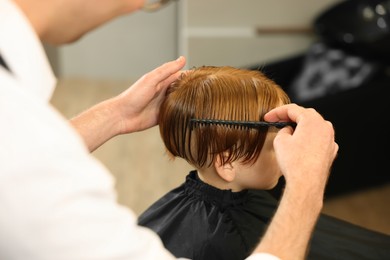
[[144, 173], [369, 208]]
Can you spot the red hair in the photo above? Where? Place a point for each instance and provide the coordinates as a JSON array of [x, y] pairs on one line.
[[223, 93]]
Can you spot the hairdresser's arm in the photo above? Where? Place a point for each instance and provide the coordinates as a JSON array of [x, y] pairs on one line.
[[135, 109], [305, 157], [289, 233]]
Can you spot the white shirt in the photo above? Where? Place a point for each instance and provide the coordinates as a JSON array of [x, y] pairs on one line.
[[56, 200]]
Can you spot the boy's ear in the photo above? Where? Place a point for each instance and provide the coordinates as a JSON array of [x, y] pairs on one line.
[[225, 171]]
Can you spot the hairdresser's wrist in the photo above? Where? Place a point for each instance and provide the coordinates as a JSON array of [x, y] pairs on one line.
[[307, 186], [304, 197], [290, 230], [98, 124]]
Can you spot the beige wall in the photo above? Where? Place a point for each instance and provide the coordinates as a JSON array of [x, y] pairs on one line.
[[225, 32], [216, 32], [126, 48]]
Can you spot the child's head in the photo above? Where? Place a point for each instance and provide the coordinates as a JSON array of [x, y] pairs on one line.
[[223, 93]]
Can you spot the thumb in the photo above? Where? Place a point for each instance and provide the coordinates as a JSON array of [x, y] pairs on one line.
[[284, 134]]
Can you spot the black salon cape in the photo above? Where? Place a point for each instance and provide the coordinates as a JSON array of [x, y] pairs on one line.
[[198, 221]]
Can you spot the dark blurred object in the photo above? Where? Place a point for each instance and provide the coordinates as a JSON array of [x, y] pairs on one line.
[[360, 26], [357, 30], [360, 117], [328, 71]]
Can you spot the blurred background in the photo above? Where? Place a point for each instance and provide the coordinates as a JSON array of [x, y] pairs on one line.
[[329, 54]]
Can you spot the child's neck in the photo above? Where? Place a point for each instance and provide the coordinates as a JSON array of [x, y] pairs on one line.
[[211, 177]]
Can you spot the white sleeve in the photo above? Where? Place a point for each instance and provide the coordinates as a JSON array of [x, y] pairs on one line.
[[66, 217], [56, 200]]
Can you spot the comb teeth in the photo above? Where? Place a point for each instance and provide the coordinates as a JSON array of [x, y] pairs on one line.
[[248, 124]]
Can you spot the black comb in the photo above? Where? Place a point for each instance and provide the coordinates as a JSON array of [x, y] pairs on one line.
[[249, 124]]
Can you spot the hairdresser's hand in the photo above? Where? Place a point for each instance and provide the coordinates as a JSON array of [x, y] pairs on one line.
[[140, 104], [135, 109], [305, 155]]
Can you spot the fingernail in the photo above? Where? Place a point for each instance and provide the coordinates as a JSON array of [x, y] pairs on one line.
[[180, 58]]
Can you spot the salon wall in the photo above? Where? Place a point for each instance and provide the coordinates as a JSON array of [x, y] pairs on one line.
[[218, 32], [123, 49], [247, 32]]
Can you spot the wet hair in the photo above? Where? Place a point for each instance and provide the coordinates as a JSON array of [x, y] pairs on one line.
[[223, 93]]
